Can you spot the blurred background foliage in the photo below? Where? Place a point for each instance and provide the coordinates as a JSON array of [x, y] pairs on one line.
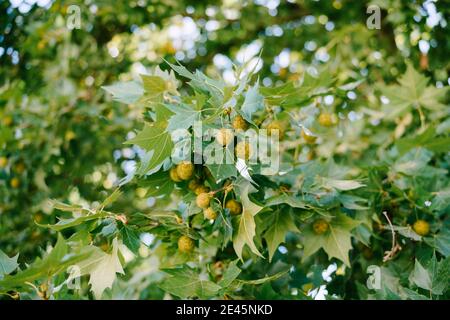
[[61, 136]]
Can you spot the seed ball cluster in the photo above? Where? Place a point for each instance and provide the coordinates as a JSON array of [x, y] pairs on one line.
[[320, 226], [224, 136]]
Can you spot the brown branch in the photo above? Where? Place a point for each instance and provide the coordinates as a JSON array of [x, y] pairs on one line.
[[389, 255]]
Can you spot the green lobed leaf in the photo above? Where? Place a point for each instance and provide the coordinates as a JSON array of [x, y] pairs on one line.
[[281, 223], [154, 138], [247, 226]]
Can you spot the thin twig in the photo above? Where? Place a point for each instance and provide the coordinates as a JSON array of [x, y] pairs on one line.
[[388, 255]]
